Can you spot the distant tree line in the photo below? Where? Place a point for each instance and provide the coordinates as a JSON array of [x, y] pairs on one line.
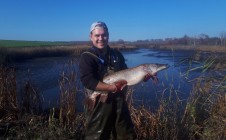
[[202, 39]]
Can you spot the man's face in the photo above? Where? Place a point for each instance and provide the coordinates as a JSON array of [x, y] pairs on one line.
[[99, 37]]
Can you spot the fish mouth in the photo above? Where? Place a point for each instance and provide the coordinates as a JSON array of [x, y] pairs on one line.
[[154, 74], [162, 67]]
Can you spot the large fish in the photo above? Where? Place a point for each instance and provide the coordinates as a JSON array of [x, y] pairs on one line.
[[133, 76], [136, 74]]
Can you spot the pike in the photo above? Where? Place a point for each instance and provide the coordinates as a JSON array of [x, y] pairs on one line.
[[136, 74], [133, 76]]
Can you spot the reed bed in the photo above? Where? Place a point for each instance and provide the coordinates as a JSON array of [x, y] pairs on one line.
[[201, 48], [69, 117], [15, 54], [8, 99], [201, 116], [18, 54]]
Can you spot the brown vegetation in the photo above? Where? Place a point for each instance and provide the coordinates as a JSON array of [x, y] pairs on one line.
[[201, 48], [202, 116], [9, 55]]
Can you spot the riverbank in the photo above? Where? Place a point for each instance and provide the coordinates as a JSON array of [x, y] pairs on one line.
[[198, 117], [15, 54], [201, 116], [21, 53], [199, 48]]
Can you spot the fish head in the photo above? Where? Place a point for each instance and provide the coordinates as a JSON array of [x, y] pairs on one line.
[[153, 69]]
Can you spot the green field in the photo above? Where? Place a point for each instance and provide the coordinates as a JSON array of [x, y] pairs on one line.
[[20, 43]]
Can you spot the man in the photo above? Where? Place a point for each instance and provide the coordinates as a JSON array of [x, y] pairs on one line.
[[110, 118]]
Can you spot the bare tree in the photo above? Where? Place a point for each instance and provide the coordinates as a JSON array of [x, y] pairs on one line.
[[204, 39], [194, 40], [223, 38]]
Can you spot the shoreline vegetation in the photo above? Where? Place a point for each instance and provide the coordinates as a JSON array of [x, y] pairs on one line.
[[201, 116], [13, 51]]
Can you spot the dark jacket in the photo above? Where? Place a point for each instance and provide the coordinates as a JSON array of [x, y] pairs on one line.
[[95, 64]]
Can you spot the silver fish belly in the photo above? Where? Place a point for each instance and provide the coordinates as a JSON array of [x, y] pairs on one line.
[[133, 76]]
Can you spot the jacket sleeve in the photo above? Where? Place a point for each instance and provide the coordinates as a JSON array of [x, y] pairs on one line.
[[88, 71]]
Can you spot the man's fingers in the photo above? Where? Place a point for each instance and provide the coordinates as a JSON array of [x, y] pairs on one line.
[[120, 85]]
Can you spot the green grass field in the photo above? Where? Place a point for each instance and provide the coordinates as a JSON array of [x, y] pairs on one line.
[[20, 43]]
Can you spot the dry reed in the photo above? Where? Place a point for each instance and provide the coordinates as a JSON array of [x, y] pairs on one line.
[[69, 117], [202, 116], [8, 96]]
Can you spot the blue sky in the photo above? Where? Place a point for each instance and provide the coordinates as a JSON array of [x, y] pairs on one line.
[[130, 20]]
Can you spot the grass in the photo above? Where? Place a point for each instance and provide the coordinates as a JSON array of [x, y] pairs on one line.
[[199, 48], [14, 50], [22, 50], [21, 43], [201, 116], [10, 55], [8, 100]]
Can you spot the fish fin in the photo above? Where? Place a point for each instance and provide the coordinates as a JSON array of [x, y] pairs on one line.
[[155, 79]]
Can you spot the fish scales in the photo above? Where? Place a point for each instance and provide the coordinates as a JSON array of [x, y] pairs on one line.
[[133, 76]]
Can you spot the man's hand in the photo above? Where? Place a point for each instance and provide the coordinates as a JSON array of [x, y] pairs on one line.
[[120, 85]]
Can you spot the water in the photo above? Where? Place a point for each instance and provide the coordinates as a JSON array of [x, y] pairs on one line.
[[44, 73], [148, 93]]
